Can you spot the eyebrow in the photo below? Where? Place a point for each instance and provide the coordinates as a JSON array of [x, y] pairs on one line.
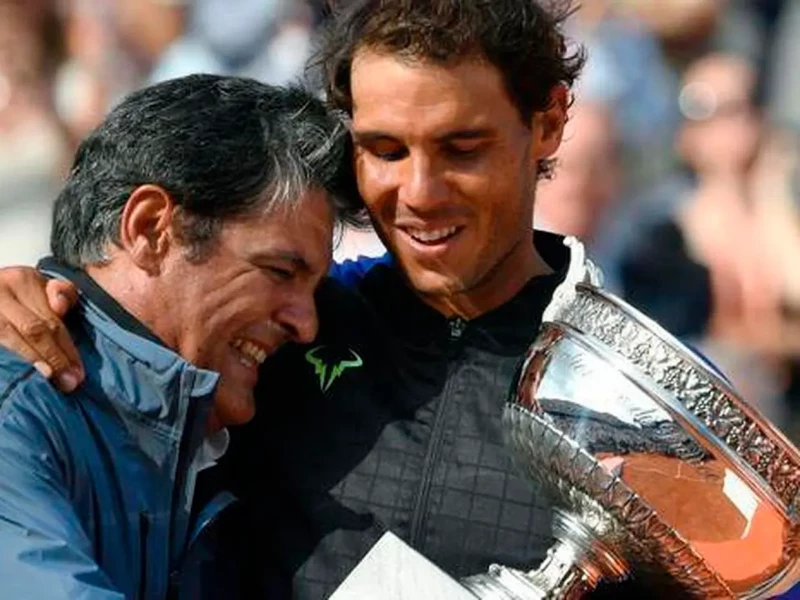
[[295, 258], [365, 137], [466, 134]]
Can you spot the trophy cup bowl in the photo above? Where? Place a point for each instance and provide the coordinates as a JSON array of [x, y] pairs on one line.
[[657, 469]]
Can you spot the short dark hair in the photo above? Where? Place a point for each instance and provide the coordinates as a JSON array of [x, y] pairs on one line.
[[523, 39], [220, 146]]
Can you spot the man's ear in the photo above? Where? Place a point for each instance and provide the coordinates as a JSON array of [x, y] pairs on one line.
[[146, 225], [548, 125]]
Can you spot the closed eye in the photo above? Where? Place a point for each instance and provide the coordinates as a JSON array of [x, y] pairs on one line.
[[462, 152], [392, 156], [387, 152], [279, 273], [381, 146]]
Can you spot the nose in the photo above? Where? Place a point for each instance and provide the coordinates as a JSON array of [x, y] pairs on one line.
[[423, 187], [299, 318]]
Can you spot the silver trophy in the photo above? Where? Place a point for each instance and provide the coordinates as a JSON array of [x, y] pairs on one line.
[[656, 467]]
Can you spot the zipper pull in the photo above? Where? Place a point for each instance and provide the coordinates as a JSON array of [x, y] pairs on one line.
[[457, 326]]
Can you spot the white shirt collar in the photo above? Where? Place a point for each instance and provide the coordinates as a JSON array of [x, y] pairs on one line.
[[212, 449]]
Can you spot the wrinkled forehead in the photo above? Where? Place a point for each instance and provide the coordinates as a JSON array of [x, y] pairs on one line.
[[302, 226]]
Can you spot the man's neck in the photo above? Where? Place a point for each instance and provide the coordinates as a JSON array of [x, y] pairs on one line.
[[502, 283], [135, 295]]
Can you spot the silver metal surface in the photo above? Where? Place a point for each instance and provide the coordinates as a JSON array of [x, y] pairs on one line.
[[658, 469], [573, 567]]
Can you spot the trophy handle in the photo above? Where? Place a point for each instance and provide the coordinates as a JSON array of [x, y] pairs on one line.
[[574, 566], [580, 270]]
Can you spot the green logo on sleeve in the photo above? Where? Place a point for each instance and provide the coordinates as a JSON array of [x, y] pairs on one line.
[[329, 371]]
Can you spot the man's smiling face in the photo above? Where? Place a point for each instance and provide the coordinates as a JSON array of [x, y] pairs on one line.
[[447, 168], [254, 292]]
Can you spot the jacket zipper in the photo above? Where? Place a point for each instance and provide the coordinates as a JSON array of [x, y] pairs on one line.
[[182, 465], [144, 532], [419, 516]]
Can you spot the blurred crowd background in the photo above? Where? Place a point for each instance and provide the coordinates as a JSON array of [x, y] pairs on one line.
[[680, 167]]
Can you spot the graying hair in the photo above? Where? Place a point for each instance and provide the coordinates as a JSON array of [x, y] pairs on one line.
[[220, 146]]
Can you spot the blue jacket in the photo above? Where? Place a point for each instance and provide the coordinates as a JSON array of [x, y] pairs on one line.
[[94, 497]]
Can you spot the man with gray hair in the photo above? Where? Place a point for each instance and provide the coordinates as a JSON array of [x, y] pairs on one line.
[[195, 224]]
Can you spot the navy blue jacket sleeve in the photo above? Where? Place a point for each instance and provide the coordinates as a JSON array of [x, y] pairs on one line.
[[350, 272]]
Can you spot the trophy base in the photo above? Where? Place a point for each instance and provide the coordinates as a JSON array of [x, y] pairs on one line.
[[573, 567]]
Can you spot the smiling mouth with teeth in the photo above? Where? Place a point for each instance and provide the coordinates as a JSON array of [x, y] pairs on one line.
[[434, 236], [250, 354]]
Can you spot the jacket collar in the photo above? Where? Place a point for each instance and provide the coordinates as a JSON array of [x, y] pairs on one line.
[[155, 381], [90, 290], [507, 329]]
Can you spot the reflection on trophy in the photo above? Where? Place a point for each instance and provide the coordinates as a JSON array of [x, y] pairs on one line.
[[656, 467]]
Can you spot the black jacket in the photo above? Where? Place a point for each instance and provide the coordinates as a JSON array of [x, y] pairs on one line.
[[390, 420]]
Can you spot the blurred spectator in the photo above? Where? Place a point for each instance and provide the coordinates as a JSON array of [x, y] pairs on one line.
[[587, 176], [711, 253], [148, 27], [32, 142], [112, 46], [269, 40], [775, 190], [30, 48], [627, 72], [64, 64], [685, 263], [677, 22]]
